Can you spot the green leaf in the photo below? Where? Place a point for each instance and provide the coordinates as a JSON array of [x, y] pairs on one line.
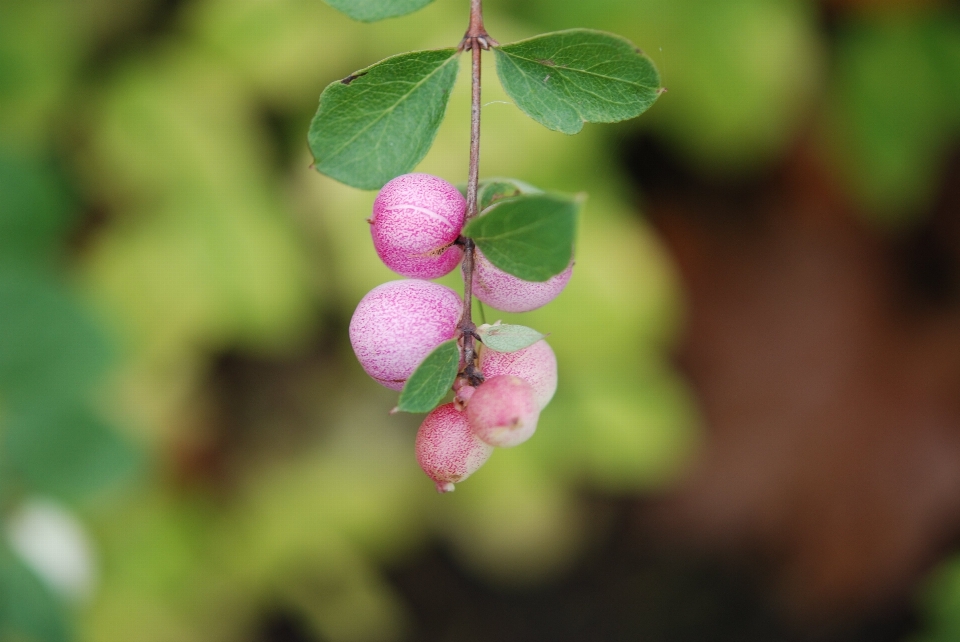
[[566, 78], [51, 348], [492, 190], [28, 608], [66, 451], [529, 236], [373, 10], [379, 122], [432, 379], [36, 209], [508, 338]]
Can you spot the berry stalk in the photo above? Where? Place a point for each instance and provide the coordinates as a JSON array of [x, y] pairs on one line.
[[476, 40]]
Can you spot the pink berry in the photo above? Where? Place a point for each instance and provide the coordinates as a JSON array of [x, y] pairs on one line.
[[397, 324], [503, 411], [446, 449], [537, 365], [506, 292], [416, 219]]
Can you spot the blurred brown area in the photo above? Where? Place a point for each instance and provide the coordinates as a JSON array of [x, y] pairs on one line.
[[826, 355]]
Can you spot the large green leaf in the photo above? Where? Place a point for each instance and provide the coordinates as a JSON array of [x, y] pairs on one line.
[[432, 379], [529, 236], [379, 122], [566, 78], [372, 10]]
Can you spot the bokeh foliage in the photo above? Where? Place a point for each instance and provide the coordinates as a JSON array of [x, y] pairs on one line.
[[159, 224]]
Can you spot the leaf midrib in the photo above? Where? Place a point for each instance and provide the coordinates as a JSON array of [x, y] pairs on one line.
[[560, 68]]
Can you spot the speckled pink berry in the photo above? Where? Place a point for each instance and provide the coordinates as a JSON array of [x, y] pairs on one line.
[[416, 219], [446, 449], [506, 292], [397, 324], [537, 365], [503, 411]]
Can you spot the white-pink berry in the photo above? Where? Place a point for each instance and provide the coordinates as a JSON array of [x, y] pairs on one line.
[[416, 219], [447, 451], [536, 364], [503, 411], [506, 292], [397, 324]]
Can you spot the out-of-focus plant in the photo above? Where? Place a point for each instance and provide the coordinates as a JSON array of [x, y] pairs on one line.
[[165, 217], [205, 233], [890, 143], [55, 439]]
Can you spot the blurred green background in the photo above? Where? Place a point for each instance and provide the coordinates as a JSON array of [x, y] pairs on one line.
[[186, 440]]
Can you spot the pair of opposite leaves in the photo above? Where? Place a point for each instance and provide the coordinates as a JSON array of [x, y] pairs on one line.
[[379, 122]]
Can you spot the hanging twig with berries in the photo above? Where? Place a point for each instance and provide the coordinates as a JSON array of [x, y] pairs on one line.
[[514, 242]]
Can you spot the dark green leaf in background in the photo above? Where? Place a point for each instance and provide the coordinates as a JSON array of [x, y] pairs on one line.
[[51, 347], [432, 379], [65, 451], [893, 144], [529, 236], [508, 338], [379, 122], [29, 610], [566, 78], [372, 10], [35, 209]]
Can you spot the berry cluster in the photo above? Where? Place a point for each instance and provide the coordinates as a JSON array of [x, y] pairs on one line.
[[416, 228]]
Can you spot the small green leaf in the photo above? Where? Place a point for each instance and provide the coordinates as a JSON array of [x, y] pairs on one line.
[[529, 236], [373, 10], [566, 78], [492, 190], [432, 379], [508, 338], [379, 122]]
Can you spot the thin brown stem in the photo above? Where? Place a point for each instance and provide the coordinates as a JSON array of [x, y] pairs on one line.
[[476, 39], [473, 178]]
